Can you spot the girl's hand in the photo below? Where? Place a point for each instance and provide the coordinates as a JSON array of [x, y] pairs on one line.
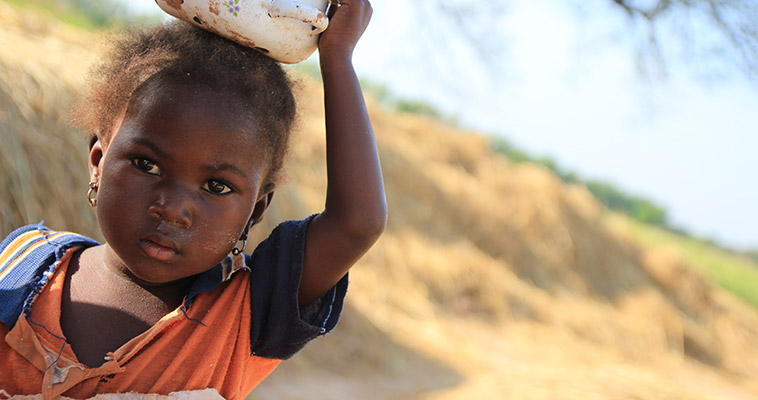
[[345, 28]]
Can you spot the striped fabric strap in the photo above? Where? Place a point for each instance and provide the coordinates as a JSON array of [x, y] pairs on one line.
[[28, 257], [21, 247]]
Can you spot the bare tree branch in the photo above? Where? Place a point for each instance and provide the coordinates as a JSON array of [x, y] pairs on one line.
[[722, 30], [734, 20], [649, 14]]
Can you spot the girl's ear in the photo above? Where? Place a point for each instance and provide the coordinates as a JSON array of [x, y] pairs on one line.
[[260, 207], [96, 155]]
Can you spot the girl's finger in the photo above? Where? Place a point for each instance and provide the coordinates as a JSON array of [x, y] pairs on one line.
[[332, 7]]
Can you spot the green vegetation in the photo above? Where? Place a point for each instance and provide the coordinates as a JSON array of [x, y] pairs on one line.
[[615, 199], [385, 96], [395, 103], [637, 207], [640, 209], [734, 272], [89, 14]]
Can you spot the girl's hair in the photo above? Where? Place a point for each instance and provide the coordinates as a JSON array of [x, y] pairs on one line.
[[179, 49]]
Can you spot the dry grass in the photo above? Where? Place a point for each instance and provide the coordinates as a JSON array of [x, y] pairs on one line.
[[43, 160], [492, 280]]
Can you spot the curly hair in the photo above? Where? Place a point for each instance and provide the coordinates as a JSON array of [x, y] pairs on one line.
[[179, 49]]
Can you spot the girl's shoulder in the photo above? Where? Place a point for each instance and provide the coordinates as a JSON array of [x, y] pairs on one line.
[[28, 257], [34, 241]]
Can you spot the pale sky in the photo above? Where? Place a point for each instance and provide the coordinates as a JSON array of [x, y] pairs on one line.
[[566, 85]]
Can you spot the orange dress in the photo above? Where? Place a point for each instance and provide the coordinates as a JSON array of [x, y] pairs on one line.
[[225, 338]]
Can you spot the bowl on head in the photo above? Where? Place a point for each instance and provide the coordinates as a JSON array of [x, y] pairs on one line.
[[285, 30]]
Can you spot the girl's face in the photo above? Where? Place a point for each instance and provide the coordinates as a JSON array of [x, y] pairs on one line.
[[179, 183]]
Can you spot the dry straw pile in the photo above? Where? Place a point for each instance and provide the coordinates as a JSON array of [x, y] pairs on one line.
[[43, 160], [492, 280]]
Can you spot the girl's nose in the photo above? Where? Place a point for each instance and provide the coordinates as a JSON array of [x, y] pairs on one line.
[[175, 207]]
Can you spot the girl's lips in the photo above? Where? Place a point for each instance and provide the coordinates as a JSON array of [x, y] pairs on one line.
[[163, 251]]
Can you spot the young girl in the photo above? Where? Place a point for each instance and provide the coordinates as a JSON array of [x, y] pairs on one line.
[[189, 134]]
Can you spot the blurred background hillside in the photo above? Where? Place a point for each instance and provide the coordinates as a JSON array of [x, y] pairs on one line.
[[501, 274]]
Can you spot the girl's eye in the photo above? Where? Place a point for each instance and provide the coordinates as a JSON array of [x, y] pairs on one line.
[[217, 187], [146, 166]]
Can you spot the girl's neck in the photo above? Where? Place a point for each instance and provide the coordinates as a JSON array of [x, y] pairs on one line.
[[101, 267], [103, 308]]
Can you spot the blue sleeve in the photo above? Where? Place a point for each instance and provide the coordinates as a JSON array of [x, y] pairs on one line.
[[279, 327], [28, 257]]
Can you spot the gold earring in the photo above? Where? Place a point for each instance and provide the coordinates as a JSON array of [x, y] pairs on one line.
[[93, 186]]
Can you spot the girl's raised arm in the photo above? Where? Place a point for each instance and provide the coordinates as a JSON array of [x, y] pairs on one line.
[[355, 213]]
